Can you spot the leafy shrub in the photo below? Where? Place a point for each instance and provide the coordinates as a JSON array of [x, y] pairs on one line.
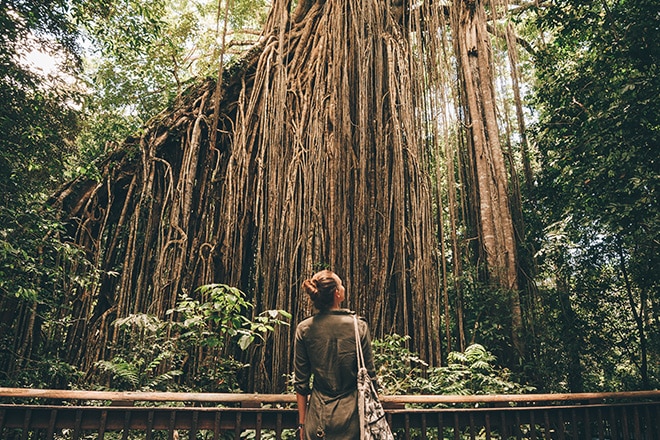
[[146, 358], [401, 371], [197, 344]]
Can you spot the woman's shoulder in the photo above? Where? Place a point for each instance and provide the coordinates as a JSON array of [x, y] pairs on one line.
[[330, 316], [306, 322], [340, 312], [349, 314], [352, 313], [346, 315]]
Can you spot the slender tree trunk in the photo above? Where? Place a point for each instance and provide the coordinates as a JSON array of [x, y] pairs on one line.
[[512, 51], [572, 338], [496, 232], [639, 318]]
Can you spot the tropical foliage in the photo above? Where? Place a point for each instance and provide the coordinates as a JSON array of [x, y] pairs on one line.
[[598, 136], [473, 371], [150, 353]]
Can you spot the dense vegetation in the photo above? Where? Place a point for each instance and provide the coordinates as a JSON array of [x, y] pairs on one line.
[[579, 78]]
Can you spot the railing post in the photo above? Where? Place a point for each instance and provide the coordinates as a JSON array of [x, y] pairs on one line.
[[172, 425], [216, 425], [238, 425]]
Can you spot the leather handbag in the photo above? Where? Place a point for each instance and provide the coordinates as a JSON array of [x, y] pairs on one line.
[[373, 424]]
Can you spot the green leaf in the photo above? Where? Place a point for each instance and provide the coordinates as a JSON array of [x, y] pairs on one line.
[[245, 341]]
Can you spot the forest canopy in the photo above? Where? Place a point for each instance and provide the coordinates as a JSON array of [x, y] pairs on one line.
[[480, 173]]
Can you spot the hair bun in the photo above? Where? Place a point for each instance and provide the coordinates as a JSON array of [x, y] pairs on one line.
[[311, 287]]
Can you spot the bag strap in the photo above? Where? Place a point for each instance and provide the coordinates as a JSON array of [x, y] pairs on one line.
[[358, 345]]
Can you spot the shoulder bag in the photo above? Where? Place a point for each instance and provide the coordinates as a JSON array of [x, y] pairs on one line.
[[373, 424]]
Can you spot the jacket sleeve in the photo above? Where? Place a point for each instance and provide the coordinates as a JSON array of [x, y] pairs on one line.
[[302, 368]]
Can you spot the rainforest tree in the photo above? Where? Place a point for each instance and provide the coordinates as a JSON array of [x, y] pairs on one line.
[[36, 123], [37, 126], [331, 173], [485, 167], [598, 136]]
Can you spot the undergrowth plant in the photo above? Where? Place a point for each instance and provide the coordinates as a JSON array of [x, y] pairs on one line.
[[145, 358], [194, 349], [472, 371]]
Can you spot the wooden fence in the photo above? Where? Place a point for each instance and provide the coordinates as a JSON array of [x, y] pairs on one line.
[[58, 414]]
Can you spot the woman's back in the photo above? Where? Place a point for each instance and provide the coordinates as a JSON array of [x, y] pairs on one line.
[[328, 340]]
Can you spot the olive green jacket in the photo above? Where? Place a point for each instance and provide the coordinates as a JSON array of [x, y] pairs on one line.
[[325, 350]]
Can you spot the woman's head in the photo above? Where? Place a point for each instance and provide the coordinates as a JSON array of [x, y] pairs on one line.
[[325, 289]]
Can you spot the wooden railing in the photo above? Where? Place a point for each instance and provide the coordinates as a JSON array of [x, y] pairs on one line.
[[58, 414]]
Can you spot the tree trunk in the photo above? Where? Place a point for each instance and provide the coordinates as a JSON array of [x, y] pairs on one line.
[[572, 338], [495, 225], [512, 51]]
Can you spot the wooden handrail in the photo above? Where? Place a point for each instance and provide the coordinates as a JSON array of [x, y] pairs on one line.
[[572, 416], [247, 398]]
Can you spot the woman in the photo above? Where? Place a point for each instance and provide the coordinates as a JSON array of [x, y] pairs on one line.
[[325, 348]]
